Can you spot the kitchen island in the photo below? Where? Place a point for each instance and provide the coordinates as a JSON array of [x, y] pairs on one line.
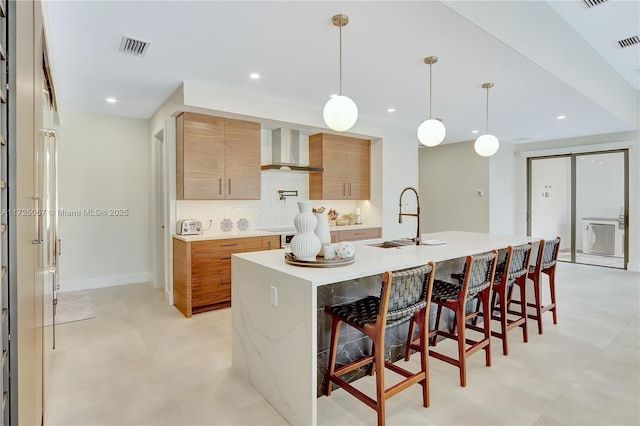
[[275, 326]]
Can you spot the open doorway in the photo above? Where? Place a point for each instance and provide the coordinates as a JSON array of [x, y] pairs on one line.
[[583, 198]]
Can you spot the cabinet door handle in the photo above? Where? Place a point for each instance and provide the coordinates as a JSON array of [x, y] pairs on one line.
[[349, 189], [343, 191], [225, 258], [229, 186], [229, 245], [226, 283], [220, 186], [269, 244], [359, 233]]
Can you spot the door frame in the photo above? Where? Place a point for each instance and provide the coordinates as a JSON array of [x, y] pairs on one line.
[[159, 245], [573, 157]]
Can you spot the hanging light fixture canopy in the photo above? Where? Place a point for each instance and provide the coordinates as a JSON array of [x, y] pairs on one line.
[[340, 112], [487, 144], [431, 132]]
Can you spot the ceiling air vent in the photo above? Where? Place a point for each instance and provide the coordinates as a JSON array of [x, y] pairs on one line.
[[134, 47], [591, 3], [629, 41]]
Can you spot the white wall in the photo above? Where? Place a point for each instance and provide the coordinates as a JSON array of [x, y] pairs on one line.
[[450, 175], [104, 163], [502, 190]]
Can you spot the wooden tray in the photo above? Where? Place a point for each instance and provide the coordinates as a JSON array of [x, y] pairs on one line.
[[320, 261]]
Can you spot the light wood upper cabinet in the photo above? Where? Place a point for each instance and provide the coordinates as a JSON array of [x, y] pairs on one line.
[[346, 162], [242, 160], [217, 158]]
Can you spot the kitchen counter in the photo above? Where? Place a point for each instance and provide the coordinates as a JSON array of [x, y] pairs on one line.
[[259, 233], [275, 329]]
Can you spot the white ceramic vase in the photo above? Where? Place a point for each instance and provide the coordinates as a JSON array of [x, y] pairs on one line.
[[322, 231], [305, 245]]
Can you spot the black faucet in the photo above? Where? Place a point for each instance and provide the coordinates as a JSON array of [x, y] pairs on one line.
[[416, 214]]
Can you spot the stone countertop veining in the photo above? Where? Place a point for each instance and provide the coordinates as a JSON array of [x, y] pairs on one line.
[[258, 233]]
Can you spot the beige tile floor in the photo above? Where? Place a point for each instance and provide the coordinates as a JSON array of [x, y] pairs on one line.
[[139, 362]]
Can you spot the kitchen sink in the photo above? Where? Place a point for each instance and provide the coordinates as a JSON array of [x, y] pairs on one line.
[[395, 243]]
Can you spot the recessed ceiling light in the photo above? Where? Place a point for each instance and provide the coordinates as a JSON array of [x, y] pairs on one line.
[[254, 76], [391, 110], [111, 100], [561, 117], [333, 96], [474, 131]]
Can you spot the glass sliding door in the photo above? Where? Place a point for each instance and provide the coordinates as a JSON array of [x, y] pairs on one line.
[[600, 209], [582, 198], [550, 201]]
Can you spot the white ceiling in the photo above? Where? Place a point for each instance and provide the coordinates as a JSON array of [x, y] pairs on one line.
[[294, 47]]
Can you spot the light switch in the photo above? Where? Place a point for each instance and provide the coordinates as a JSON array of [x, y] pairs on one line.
[[274, 296]]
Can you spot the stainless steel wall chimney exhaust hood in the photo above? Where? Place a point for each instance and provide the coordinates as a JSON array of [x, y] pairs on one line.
[[285, 152]]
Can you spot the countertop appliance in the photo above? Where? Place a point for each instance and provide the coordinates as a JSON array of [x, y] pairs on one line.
[[189, 227]]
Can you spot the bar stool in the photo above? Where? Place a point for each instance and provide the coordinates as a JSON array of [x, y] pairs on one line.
[[404, 294], [514, 272], [545, 264], [477, 283]]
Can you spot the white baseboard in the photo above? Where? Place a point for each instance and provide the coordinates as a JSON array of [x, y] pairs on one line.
[[104, 282], [635, 267]]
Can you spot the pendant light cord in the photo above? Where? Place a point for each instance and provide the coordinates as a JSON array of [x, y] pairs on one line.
[[430, 88], [340, 91], [486, 125]]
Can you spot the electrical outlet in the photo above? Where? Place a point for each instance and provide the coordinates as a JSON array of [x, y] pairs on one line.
[[274, 296]]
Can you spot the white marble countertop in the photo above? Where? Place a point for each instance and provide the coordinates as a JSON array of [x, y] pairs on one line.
[[370, 260], [258, 233]]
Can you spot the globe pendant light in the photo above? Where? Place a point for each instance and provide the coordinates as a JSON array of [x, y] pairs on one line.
[[340, 112], [431, 132], [486, 145]]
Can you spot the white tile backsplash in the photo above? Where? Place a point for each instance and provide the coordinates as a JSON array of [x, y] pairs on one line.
[[269, 211]]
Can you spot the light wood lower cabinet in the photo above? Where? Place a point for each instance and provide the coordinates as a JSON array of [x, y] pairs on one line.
[[202, 271], [355, 234]]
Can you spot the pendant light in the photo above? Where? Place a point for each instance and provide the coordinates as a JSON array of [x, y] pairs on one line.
[[487, 144], [431, 132], [340, 112]]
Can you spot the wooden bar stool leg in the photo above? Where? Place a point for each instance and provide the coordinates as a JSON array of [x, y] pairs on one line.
[[523, 305], [380, 390], [486, 315], [424, 355], [335, 334], [538, 295], [503, 319], [462, 353], [552, 289]]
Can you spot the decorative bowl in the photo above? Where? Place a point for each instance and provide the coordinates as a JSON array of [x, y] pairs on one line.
[[345, 249]]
